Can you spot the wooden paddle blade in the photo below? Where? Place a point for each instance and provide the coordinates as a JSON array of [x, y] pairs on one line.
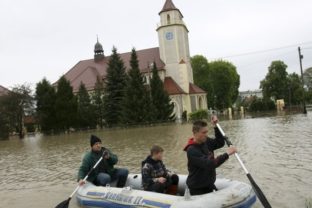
[[258, 192], [63, 204]]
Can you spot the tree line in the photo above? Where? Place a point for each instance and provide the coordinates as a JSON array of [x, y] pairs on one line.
[[221, 82], [122, 98]]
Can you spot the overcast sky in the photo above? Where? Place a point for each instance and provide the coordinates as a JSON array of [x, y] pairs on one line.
[[45, 38]]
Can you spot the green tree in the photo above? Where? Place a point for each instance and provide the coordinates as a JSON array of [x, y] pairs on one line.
[[4, 120], [136, 97], [161, 106], [97, 100], [202, 77], [275, 84], [65, 105], [295, 90], [18, 103], [114, 89], [307, 77], [225, 84], [45, 99], [85, 110]]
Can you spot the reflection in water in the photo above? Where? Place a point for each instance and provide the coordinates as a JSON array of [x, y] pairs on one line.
[[40, 171]]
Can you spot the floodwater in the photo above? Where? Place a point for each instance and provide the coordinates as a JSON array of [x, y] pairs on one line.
[[40, 171]]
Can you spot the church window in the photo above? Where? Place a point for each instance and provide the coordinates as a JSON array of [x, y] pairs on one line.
[[168, 19]]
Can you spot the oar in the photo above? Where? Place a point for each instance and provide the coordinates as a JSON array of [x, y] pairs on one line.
[[65, 204], [255, 187]]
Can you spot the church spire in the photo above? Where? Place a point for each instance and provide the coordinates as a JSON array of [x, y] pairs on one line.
[[169, 6], [98, 50]]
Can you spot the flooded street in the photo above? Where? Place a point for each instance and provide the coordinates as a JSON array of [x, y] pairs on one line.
[[40, 171]]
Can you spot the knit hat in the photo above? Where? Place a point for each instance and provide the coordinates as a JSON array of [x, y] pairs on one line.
[[94, 139]]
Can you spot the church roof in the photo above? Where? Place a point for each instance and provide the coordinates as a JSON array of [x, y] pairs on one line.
[[169, 6], [172, 87], [87, 71], [195, 89], [3, 90]]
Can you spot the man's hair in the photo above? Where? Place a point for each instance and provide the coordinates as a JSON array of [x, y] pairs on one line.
[[156, 149], [197, 125]]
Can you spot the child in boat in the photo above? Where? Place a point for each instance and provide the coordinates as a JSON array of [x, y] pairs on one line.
[[155, 176]]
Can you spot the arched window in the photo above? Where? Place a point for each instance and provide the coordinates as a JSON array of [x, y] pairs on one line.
[[168, 19]]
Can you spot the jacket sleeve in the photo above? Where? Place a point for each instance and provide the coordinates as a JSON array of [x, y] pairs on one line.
[[85, 167], [199, 160], [147, 178], [113, 159], [218, 142]]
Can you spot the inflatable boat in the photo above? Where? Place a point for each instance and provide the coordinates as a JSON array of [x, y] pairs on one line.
[[230, 194]]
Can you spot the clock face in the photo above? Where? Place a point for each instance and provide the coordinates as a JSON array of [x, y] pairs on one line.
[[169, 35]]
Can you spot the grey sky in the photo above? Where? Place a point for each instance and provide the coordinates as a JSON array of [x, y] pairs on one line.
[[45, 38]]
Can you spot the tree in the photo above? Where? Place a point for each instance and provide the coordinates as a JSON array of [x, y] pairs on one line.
[[275, 84], [295, 93], [16, 105], [136, 97], [307, 77], [65, 105], [114, 89], [45, 99], [225, 83], [4, 120], [98, 101], [85, 110], [202, 77], [161, 106]]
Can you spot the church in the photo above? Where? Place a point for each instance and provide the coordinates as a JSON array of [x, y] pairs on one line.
[[172, 59]]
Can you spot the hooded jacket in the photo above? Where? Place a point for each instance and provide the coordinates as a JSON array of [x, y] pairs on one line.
[[105, 166], [202, 163], [152, 169]]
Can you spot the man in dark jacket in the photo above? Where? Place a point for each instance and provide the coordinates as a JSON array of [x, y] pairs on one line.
[[202, 163], [105, 172], [155, 176]]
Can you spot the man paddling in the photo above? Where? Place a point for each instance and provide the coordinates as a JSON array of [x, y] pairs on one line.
[[105, 172], [202, 163]]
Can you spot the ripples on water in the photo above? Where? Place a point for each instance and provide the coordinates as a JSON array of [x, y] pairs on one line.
[[40, 171]]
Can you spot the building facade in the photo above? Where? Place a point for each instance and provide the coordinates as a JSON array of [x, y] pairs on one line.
[[172, 59]]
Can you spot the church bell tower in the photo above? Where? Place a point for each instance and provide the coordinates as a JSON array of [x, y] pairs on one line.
[[174, 45]]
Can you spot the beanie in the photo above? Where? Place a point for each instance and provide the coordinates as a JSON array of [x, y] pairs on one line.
[[94, 139]]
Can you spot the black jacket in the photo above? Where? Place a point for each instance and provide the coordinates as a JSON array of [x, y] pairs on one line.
[[151, 170], [201, 161]]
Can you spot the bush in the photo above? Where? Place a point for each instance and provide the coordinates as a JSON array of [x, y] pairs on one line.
[[261, 105], [198, 115]]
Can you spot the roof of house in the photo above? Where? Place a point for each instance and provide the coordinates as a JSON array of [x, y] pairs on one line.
[[195, 89], [172, 87], [3, 90], [87, 71]]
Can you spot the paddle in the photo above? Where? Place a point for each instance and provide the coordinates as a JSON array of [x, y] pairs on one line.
[[255, 187], [65, 204]]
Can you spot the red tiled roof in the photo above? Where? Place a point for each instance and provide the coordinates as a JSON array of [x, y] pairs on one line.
[[86, 71], [169, 6], [172, 87], [195, 89], [3, 90]]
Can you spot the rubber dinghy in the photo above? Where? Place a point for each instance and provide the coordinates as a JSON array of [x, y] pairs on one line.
[[230, 194]]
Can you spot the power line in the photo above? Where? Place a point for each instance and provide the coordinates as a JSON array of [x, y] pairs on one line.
[[265, 51]]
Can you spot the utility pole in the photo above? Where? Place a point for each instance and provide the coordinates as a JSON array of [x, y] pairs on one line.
[[300, 59]]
